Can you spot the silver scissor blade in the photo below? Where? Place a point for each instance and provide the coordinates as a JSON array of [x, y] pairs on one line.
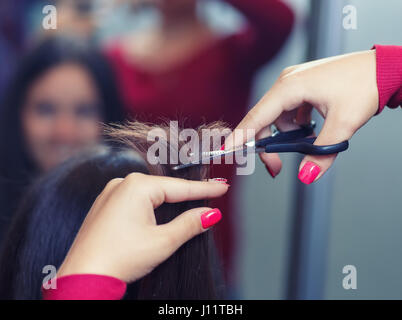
[[206, 157]]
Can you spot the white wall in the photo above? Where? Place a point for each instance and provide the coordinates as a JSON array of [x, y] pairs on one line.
[[366, 205], [366, 209], [265, 203]]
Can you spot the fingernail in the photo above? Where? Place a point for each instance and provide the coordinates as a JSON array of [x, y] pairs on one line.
[[220, 180], [270, 171], [223, 147], [211, 217], [309, 172]]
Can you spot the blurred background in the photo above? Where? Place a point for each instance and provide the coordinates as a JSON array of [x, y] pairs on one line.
[[211, 60]]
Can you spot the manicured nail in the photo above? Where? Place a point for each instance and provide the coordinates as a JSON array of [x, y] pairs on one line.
[[270, 171], [211, 217], [309, 172], [220, 180], [223, 147]]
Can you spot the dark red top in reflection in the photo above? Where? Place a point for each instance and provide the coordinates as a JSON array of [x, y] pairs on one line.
[[214, 84]]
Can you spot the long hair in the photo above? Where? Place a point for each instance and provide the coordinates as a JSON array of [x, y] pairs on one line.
[[54, 209], [16, 167]]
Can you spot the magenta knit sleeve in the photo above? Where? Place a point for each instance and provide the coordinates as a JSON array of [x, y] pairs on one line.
[[86, 287], [389, 76]]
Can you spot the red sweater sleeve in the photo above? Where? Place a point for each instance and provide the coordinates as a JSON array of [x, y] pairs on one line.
[[86, 287], [269, 23], [389, 76]]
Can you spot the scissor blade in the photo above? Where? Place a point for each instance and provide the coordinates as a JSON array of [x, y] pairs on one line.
[[206, 157]]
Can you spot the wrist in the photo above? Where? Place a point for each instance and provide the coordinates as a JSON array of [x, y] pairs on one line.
[[373, 88], [72, 266]]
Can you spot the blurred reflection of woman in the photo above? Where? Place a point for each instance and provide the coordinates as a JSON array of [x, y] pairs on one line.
[[60, 94], [184, 70]]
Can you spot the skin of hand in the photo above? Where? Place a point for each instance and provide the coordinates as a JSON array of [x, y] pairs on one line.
[[343, 89], [119, 237]]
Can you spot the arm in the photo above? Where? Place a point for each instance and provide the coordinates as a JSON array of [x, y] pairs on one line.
[[269, 24], [347, 91]]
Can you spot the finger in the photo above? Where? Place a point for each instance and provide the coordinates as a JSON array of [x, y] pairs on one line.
[[167, 189], [272, 162], [285, 122], [189, 224], [313, 167], [263, 114], [218, 180], [178, 190]]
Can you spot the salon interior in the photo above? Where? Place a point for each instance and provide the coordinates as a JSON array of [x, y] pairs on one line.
[[281, 239]]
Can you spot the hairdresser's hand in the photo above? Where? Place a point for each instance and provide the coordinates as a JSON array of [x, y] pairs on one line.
[[343, 89], [120, 237]]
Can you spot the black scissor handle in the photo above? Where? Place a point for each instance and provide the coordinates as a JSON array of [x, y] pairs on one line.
[[306, 146], [287, 136]]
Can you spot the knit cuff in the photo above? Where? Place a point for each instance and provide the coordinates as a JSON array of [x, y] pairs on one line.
[[86, 287], [389, 75]]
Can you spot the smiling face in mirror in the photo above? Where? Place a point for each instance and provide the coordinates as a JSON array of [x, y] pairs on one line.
[[61, 115]]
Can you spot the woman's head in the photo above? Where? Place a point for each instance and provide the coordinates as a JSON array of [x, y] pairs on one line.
[[61, 114], [52, 212], [61, 92]]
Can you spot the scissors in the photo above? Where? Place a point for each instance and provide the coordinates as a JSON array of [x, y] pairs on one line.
[[288, 141]]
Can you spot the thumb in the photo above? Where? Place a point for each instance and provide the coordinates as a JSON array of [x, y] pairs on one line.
[[312, 167], [189, 224]]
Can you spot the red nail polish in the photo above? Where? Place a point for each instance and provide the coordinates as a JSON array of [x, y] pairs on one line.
[[222, 148], [309, 172], [211, 217], [220, 180], [270, 171]]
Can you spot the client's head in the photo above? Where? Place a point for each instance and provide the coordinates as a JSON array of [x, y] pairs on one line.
[[53, 210], [62, 90]]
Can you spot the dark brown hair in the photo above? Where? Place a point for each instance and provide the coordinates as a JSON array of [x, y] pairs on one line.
[[54, 209], [193, 272]]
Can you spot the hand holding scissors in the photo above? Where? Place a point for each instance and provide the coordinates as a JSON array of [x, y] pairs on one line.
[[342, 89]]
